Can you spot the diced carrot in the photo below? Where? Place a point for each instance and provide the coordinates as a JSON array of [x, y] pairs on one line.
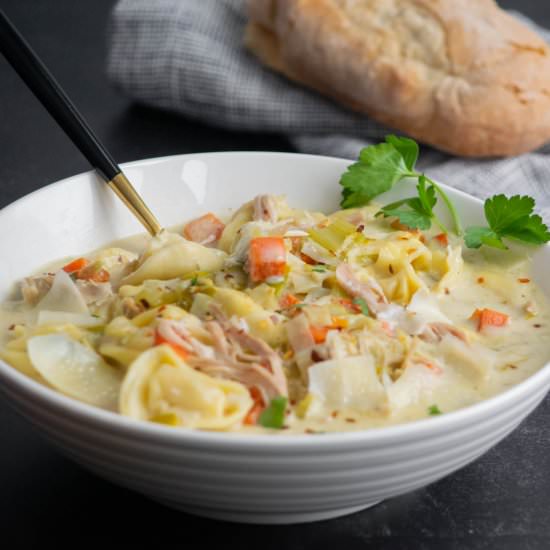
[[288, 300], [319, 334], [253, 414], [266, 258], [76, 265], [307, 259], [206, 229], [489, 317], [159, 340], [442, 239]]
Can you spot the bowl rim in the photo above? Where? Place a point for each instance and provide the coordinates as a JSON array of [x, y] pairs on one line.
[[135, 428]]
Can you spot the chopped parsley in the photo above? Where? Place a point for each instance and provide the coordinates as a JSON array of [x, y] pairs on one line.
[[362, 305], [433, 410], [273, 415]]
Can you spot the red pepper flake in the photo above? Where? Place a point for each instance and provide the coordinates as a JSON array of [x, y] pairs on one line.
[[481, 280], [447, 291], [292, 402], [537, 325], [351, 420], [334, 414], [360, 228], [309, 431], [390, 268], [524, 280]]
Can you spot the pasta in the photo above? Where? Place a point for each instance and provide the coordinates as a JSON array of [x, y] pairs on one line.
[[280, 318]]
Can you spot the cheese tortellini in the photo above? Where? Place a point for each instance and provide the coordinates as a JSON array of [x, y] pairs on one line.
[[159, 385]]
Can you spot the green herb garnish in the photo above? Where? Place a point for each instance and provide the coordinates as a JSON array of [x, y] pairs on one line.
[[194, 281], [508, 217], [273, 415], [362, 305], [319, 269], [379, 168], [433, 410]]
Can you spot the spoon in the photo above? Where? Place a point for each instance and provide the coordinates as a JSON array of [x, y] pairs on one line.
[[48, 91]]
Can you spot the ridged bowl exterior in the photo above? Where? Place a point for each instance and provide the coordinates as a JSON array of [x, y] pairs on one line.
[[261, 479]]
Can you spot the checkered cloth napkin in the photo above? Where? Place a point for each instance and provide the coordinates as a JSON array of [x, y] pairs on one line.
[[187, 56]]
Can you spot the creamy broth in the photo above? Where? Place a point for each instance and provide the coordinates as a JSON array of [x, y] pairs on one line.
[[391, 336]]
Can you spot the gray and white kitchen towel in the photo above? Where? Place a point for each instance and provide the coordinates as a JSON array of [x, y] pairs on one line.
[[187, 56]]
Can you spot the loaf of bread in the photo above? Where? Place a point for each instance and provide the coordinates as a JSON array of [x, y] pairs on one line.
[[461, 75]]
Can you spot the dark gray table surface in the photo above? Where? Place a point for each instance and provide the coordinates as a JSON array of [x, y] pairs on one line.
[[502, 501]]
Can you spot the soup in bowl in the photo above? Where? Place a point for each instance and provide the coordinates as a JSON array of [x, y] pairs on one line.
[[271, 358]]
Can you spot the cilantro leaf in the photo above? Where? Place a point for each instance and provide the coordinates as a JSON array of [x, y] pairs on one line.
[[426, 195], [476, 236], [410, 218], [379, 167], [273, 416], [408, 149], [420, 212], [533, 231], [503, 212], [510, 217]]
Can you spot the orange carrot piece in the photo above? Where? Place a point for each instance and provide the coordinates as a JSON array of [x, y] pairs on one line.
[[206, 229], [159, 340], [442, 239], [266, 258], [489, 317], [319, 334], [253, 414], [76, 265], [288, 300]]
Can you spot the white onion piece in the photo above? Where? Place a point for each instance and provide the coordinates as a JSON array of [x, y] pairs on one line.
[[351, 382], [75, 370], [63, 296], [47, 317]]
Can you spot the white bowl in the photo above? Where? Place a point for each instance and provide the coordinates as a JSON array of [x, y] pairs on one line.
[[256, 479]]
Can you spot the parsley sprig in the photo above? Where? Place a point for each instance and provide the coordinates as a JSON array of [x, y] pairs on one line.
[[273, 416], [379, 168], [510, 217]]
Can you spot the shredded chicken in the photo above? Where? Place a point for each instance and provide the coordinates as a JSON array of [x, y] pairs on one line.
[[242, 357], [131, 308], [177, 333], [369, 290], [299, 334], [434, 332], [264, 209], [36, 287]]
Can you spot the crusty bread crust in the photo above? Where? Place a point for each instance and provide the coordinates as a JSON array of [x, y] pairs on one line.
[[461, 75]]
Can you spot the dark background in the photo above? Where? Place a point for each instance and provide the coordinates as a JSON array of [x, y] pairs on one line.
[[502, 501]]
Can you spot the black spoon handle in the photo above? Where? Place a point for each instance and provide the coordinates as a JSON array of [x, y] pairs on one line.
[[44, 86]]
